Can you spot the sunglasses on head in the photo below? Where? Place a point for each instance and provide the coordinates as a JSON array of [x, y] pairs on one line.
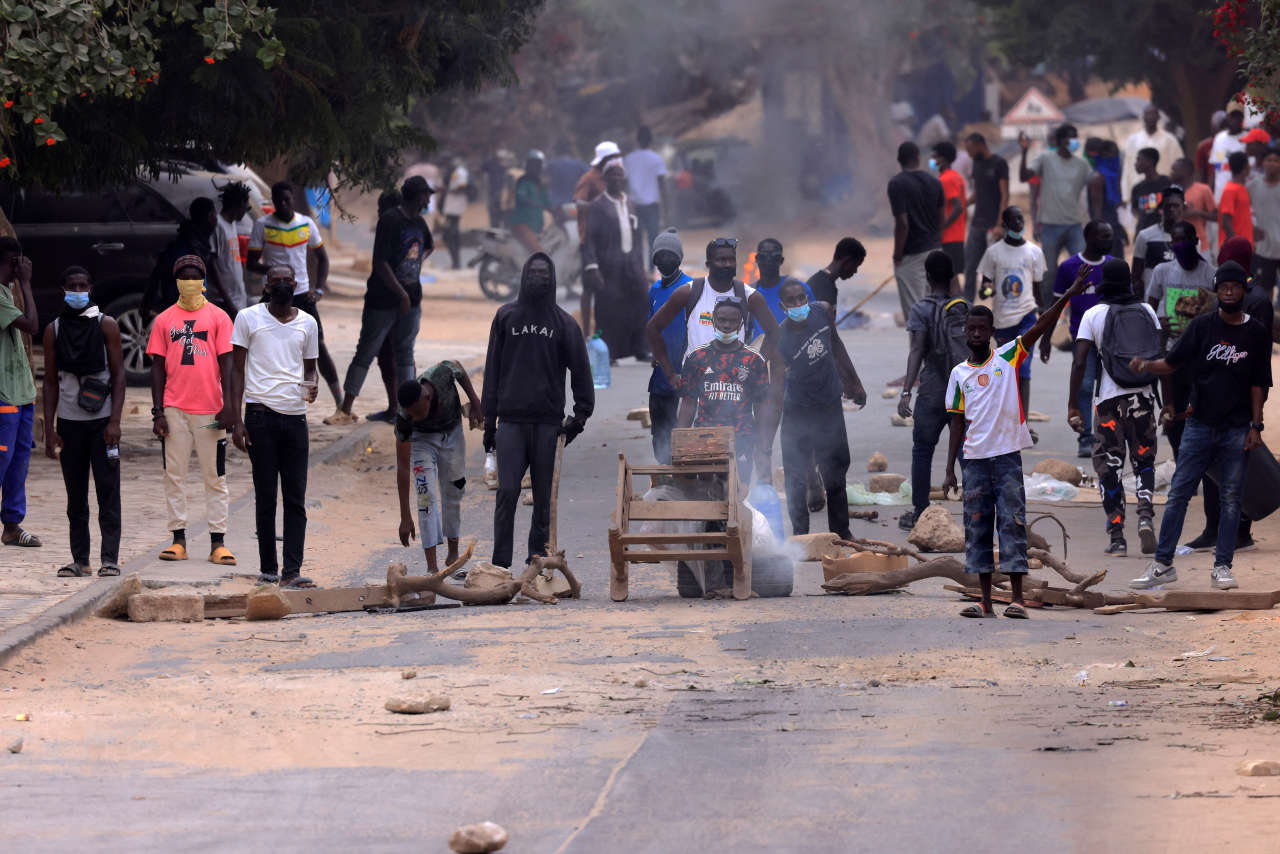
[[724, 242]]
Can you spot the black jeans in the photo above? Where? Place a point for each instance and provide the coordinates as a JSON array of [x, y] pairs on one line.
[[930, 419], [663, 409], [278, 450], [520, 447], [83, 449], [812, 435], [306, 301], [453, 239]]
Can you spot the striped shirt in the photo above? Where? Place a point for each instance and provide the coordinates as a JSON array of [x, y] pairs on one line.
[[287, 243]]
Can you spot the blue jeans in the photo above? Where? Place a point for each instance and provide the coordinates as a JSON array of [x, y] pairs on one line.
[[1202, 445], [930, 418], [1054, 240], [375, 325], [437, 462], [994, 496], [1084, 400], [16, 443]]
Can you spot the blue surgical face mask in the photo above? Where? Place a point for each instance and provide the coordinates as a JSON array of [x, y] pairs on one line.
[[1016, 235], [933, 165], [76, 299], [1073, 146], [726, 337], [798, 313]]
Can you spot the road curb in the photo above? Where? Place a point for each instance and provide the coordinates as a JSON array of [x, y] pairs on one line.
[[68, 610]]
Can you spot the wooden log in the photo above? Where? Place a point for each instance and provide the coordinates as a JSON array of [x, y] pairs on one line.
[[1081, 581], [863, 583]]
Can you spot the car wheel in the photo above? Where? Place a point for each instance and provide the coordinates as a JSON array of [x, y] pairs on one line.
[[127, 310], [499, 281]]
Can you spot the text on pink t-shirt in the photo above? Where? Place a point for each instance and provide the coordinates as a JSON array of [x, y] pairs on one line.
[[190, 342]]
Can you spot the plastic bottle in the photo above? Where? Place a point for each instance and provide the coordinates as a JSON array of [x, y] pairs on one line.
[[763, 498], [490, 470], [598, 352]]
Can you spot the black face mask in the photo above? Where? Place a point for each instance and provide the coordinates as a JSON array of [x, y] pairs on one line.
[[537, 285], [720, 275], [1230, 307], [280, 292]]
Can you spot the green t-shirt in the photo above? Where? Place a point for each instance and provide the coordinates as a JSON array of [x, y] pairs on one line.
[[532, 201], [446, 410], [16, 386]]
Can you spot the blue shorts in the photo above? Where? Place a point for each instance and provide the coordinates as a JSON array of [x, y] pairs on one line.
[[1004, 336]]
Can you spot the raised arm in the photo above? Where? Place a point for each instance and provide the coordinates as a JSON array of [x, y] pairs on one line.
[[1050, 318]]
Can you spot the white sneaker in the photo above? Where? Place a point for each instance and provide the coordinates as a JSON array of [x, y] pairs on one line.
[[1157, 574], [1222, 579]]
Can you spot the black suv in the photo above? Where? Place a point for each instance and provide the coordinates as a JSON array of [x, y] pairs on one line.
[[115, 235]]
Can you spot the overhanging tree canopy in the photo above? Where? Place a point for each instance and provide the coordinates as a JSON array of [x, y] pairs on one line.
[[322, 84]]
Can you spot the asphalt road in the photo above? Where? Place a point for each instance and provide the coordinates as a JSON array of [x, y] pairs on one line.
[[815, 724]]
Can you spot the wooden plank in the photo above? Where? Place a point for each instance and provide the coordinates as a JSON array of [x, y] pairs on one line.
[[337, 598], [692, 511], [681, 471], [655, 556], [701, 444], [713, 537]]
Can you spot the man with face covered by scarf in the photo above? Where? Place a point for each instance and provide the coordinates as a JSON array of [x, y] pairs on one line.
[[532, 342], [613, 274]]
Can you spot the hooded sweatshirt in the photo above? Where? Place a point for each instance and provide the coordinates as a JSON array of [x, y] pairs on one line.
[[531, 344]]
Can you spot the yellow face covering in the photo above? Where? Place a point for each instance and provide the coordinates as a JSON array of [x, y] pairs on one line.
[[191, 294]]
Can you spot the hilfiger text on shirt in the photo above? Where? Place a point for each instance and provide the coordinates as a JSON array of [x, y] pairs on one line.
[[1225, 352]]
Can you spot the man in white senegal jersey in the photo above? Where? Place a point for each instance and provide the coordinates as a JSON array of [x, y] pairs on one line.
[[987, 417]]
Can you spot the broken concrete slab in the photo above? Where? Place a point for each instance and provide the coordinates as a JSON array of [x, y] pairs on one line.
[[116, 605], [170, 605], [815, 546], [417, 705], [885, 482], [936, 530]]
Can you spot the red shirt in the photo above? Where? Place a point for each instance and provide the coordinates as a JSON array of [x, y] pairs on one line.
[[953, 192], [728, 386], [1235, 203]]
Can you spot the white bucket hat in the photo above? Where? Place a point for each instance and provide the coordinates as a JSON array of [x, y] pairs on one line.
[[605, 149]]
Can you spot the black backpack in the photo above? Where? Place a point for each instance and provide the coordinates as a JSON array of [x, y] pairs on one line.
[[696, 288], [1126, 333], [949, 344]]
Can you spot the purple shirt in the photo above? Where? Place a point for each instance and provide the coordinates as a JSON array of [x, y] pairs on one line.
[[1067, 272]]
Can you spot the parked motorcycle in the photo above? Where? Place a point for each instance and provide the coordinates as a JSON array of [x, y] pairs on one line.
[[501, 257]]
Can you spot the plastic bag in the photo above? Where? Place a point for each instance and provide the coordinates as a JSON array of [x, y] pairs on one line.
[[490, 470], [1164, 477], [858, 494], [1042, 487]]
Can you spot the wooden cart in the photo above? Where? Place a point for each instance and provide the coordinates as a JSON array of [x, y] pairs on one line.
[[695, 452]]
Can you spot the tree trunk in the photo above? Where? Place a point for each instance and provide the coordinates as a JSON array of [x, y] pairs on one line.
[[1197, 93]]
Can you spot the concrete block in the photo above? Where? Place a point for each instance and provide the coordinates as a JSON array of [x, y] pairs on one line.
[[171, 605]]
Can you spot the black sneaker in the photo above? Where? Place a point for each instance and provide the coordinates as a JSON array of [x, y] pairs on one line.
[[1245, 543], [907, 521], [1203, 543], [1147, 536], [1118, 548]]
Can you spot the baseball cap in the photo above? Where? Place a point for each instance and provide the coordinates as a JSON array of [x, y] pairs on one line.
[[1257, 135], [415, 185]]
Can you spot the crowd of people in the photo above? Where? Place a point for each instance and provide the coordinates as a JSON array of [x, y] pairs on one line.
[[1177, 341]]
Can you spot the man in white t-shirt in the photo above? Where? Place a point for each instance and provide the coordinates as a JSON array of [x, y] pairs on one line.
[[1011, 271], [1225, 143], [286, 237], [273, 374], [226, 254], [1126, 417], [645, 171], [455, 205], [988, 419]]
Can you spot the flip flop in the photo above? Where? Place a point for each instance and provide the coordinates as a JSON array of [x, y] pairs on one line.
[[108, 570], [177, 551], [73, 570], [222, 556], [977, 612], [1015, 612], [25, 539], [297, 582]]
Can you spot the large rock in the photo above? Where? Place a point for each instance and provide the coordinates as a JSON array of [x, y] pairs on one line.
[[483, 575], [168, 605], [116, 605], [885, 482], [1258, 768], [877, 462], [267, 603], [478, 838], [417, 705], [1059, 470], [937, 531], [813, 546]]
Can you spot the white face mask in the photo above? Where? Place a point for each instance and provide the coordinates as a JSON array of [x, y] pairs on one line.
[[726, 337]]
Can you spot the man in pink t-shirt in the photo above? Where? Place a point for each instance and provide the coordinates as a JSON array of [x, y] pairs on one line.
[[190, 350]]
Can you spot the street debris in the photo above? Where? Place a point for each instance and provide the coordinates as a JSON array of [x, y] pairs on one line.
[[885, 482], [1059, 470], [936, 530], [417, 705], [864, 515], [116, 605], [1259, 768], [877, 462], [408, 674], [167, 605], [14, 746], [641, 415], [478, 838]]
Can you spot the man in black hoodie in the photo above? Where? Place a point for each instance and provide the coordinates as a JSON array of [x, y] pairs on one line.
[[531, 344]]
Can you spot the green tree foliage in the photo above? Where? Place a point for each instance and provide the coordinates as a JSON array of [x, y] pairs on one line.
[[1168, 44], [316, 85]]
